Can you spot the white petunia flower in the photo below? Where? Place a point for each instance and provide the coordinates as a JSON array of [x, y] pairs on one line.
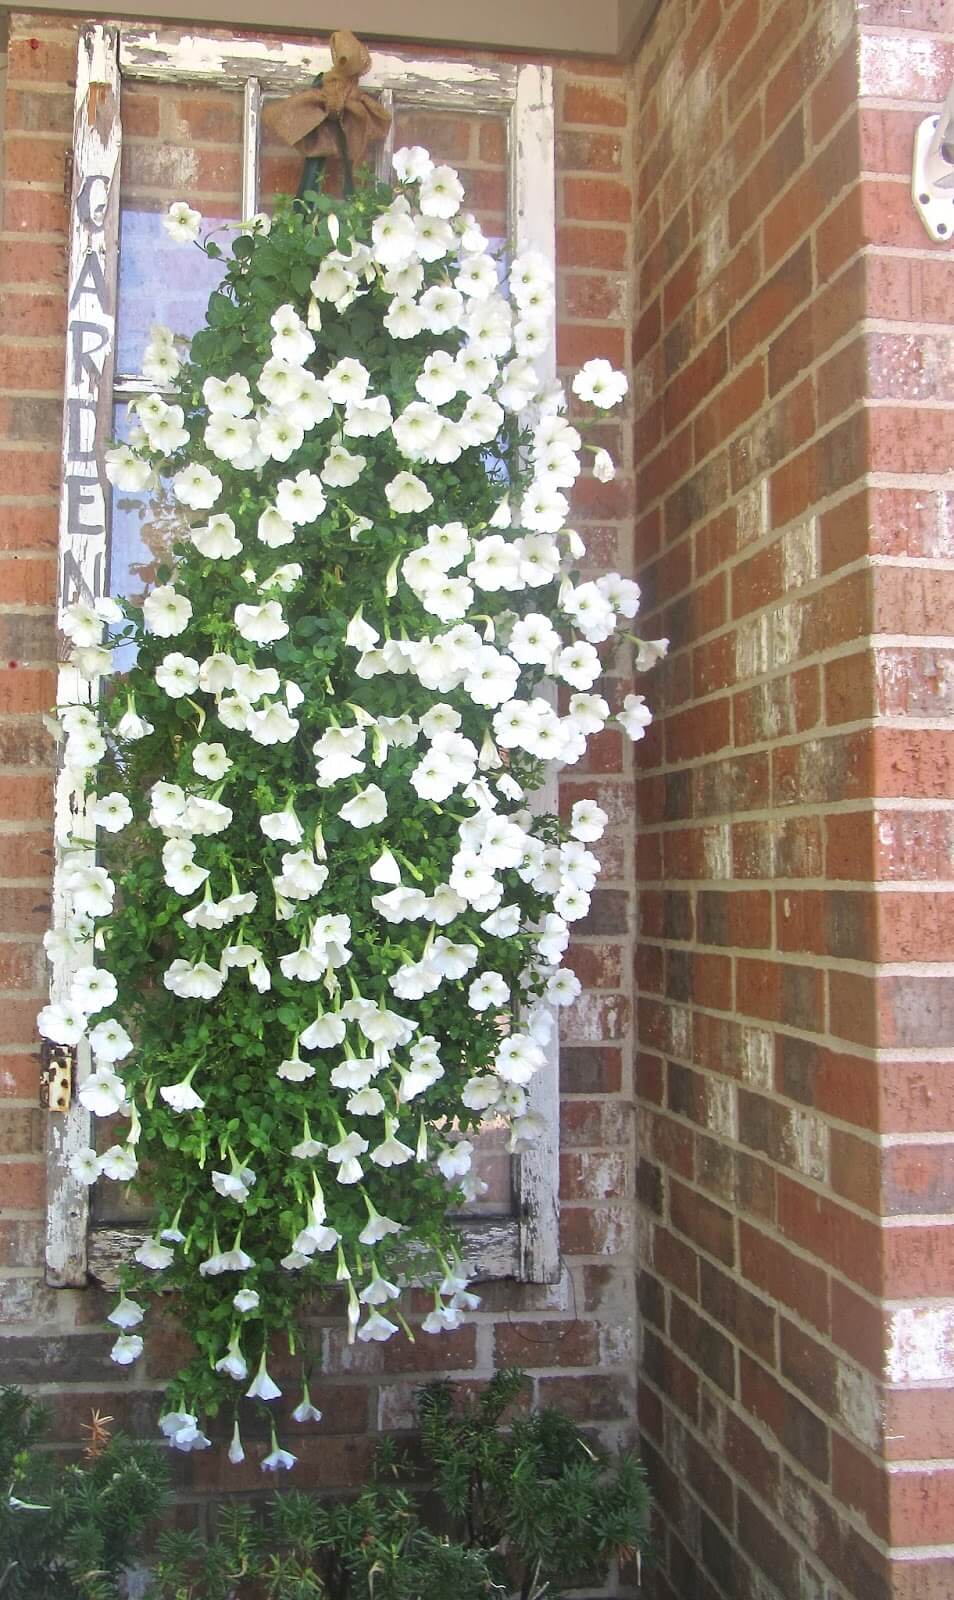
[[196, 487], [261, 624], [563, 988], [622, 594], [111, 811], [126, 1313], [578, 664], [394, 237], [228, 437], [262, 1386], [110, 1042], [93, 989], [635, 716], [126, 470], [181, 1096], [119, 1163], [211, 761], [492, 677], [85, 1166], [406, 493], [490, 989], [63, 1024], [280, 434], [588, 821], [291, 341], [367, 808], [480, 1093], [604, 469], [366, 418], [282, 825], [182, 223], [348, 382], [650, 651], [412, 163], [341, 469], [441, 193], [128, 1348], [454, 1161], [165, 612], [231, 395], [300, 499], [102, 1092], [599, 383], [178, 675]]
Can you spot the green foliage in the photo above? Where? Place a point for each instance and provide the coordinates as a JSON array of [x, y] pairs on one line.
[[67, 1532], [523, 1508]]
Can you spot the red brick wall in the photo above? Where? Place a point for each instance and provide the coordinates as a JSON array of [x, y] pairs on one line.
[[795, 440], [576, 1336]]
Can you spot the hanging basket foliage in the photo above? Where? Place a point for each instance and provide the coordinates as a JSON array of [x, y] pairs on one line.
[[323, 929]]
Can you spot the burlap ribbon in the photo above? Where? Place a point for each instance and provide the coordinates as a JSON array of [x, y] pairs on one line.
[[307, 120]]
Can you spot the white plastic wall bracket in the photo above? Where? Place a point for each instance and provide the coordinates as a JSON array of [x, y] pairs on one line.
[[932, 183]]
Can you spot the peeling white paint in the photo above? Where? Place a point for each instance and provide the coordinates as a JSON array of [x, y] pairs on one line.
[[785, 635], [810, 1144], [722, 1107], [752, 648], [717, 850], [859, 1403], [680, 1031], [752, 512], [920, 1345], [757, 1057], [800, 554]]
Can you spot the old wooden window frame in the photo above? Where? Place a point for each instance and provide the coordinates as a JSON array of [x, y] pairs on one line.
[[525, 1243]]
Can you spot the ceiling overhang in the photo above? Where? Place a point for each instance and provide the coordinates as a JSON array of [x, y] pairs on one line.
[[605, 28]]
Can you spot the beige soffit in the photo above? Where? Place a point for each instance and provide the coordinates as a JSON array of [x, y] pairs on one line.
[[568, 27]]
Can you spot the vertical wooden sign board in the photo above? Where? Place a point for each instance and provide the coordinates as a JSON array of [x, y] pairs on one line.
[[84, 532]]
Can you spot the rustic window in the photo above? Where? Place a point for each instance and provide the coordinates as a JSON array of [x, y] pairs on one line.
[[162, 115]]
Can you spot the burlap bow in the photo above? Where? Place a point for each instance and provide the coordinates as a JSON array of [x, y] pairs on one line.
[[306, 120]]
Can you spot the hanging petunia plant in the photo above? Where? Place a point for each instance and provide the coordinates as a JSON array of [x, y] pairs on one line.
[[324, 927]]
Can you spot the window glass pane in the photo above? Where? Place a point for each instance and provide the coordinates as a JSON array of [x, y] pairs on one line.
[[144, 525], [179, 142]]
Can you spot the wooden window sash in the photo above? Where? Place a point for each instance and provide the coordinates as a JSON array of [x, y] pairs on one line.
[[524, 1244]]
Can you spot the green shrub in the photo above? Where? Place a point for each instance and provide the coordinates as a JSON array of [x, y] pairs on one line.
[[68, 1531]]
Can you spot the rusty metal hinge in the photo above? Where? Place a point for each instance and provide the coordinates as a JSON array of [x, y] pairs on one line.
[[57, 1070]]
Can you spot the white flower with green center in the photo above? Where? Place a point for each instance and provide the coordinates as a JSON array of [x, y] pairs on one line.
[[197, 488], [253, 682], [435, 238], [84, 749], [588, 821], [279, 434], [455, 1160], [300, 500], [93, 989], [177, 675], [182, 223], [230, 396], [126, 470], [394, 237], [348, 381], [271, 725], [600, 384], [441, 193], [345, 1155], [443, 307], [262, 1386], [91, 890], [404, 318], [110, 1042], [291, 341], [85, 1166], [579, 665], [102, 1092], [228, 437], [341, 469], [119, 1163]]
